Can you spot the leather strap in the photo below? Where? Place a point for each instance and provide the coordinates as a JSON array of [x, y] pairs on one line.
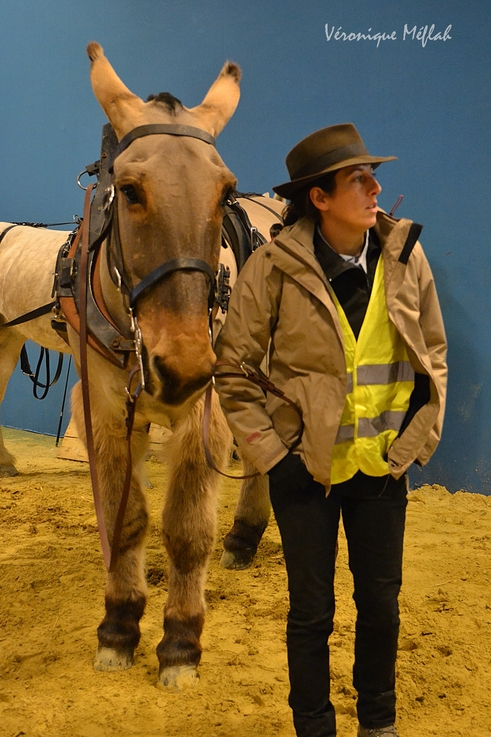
[[413, 235], [206, 439], [123, 502], [84, 375], [32, 315], [30, 225], [34, 377], [110, 553], [158, 128], [69, 307], [4, 232], [176, 264]]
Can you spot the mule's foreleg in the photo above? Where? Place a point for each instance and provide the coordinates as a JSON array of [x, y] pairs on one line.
[[10, 347], [250, 520], [189, 525], [125, 595]]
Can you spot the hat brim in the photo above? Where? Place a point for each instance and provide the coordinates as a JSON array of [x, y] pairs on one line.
[[288, 189]]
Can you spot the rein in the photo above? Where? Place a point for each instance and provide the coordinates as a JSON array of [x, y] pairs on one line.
[[84, 375], [110, 552], [32, 315], [34, 376]]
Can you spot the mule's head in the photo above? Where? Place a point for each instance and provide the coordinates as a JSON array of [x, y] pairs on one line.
[[170, 192]]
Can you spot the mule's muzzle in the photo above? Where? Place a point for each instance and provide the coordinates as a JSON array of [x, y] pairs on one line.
[[175, 386]]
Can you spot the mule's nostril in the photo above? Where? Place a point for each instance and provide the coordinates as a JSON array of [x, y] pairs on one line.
[[178, 385]]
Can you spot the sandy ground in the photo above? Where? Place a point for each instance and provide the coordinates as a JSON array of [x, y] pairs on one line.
[[51, 601]]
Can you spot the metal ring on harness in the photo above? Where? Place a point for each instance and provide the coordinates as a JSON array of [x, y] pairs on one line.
[[92, 170], [80, 177]]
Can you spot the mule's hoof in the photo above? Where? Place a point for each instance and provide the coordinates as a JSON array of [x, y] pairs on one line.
[[178, 678], [107, 659], [8, 471], [237, 560]]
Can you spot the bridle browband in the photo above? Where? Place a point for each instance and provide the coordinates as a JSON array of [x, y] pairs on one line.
[[157, 128]]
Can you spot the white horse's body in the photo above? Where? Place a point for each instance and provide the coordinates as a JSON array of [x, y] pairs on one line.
[[27, 266]]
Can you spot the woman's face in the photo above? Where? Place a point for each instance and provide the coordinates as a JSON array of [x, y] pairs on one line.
[[353, 204]]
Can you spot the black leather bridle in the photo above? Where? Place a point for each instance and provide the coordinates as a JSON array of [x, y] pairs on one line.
[[169, 267], [133, 294]]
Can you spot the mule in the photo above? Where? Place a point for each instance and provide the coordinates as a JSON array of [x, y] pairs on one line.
[[171, 187]]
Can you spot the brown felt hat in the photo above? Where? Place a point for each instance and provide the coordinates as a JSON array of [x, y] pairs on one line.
[[328, 149]]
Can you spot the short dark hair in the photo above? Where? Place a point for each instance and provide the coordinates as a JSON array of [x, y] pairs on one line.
[[302, 206]]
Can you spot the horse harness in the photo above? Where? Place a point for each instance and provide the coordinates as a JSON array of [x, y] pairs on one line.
[[77, 296], [104, 336]]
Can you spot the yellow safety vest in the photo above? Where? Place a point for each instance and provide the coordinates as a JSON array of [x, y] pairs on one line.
[[380, 382]]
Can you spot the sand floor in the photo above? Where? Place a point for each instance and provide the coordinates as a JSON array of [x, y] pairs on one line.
[[51, 601]]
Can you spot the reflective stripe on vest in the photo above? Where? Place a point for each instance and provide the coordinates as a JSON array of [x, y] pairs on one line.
[[380, 382]]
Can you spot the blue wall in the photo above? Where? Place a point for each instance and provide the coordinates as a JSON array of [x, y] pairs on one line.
[[428, 102]]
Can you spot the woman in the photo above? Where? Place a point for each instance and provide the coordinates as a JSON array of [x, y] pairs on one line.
[[344, 305]]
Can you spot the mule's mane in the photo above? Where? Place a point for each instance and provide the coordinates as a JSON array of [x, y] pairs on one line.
[[165, 98]]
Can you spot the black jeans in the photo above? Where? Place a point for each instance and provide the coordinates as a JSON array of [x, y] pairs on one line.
[[373, 512]]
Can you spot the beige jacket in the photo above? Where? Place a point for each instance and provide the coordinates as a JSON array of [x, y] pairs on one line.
[[280, 306]]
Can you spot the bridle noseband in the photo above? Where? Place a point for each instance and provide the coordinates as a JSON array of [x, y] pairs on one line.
[[176, 264]]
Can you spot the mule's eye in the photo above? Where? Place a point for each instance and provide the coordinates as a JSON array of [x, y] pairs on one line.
[[130, 194]]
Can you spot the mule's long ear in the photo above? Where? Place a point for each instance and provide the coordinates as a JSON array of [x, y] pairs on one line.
[[221, 100], [121, 106]]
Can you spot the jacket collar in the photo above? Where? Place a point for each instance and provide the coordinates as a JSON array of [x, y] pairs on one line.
[[292, 251], [295, 249]]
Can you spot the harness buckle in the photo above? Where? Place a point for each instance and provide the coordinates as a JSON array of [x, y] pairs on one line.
[[119, 280], [255, 239], [247, 370], [223, 288], [135, 329], [108, 198], [131, 397]]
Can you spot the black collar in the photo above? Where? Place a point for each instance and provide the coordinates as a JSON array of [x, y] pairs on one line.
[[333, 264]]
